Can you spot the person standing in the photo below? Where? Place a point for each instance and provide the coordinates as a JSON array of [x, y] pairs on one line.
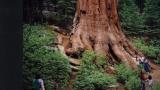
[[141, 63], [149, 83], [38, 83], [147, 67], [143, 79]]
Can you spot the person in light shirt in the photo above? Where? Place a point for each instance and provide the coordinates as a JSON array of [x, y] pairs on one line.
[[38, 83], [149, 83]]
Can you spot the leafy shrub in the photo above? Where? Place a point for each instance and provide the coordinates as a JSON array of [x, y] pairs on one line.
[[133, 83], [94, 81], [156, 86], [101, 61], [51, 65], [40, 58], [123, 73], [148, 49], [128, 77], [36, 36], [158, 61], [91, 77]]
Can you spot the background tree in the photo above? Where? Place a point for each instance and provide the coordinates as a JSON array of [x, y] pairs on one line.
[[63, 13], [132, 20], [152, 16], [140, 4], [152, 13], [58, 12], [32, 11]]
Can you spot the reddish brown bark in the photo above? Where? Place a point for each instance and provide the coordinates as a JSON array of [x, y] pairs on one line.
[[96, 27]]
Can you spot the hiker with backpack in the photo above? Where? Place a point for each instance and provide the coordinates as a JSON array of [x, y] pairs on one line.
[[38, 83], [141, 63], [147, 67], [149, 83], [144, 65], [143, 80]]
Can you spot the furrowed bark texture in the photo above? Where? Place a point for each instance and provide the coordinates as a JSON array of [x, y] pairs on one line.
[[96, 27]]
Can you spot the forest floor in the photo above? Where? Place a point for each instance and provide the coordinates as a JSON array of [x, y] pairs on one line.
[[155, 74]]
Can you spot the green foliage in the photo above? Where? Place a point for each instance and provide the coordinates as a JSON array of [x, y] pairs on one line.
[[140, 17], [156, 86], [152, 19], [101, 61], [128, 77], [152, 16], [41, 58], [152, 13], [94, 81], [123, 73], [133, 83], [141, 23], [131, 19], [88, 56], [90, 76], [65, 10], [37, 36], [148, 49]]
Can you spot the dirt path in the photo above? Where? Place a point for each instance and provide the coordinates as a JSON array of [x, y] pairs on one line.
[[155, 69], [74, 66], [71, 81], [155, 73]]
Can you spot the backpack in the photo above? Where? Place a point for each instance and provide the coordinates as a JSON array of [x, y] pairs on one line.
[[37, 84]]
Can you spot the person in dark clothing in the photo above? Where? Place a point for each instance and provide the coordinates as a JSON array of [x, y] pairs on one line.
[[147, 67], [38, 83], [143, 79]]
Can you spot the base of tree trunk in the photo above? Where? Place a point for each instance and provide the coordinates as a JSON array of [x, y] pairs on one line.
[[97, 28]]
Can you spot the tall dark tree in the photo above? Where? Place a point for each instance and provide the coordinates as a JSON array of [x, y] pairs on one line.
[[152, 13], [131, 19], [140, 4], [63, 12], [32, 11], [59, 12], [152, 19]]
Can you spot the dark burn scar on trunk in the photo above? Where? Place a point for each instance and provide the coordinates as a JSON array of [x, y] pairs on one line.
[[83, 12], [109, 7]]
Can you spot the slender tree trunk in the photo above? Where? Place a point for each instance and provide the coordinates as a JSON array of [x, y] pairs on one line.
[[96, 27]]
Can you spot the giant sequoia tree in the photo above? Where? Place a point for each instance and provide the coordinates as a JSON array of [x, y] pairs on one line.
[[96, 27]]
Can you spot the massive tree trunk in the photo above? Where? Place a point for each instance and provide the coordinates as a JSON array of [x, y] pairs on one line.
[[96, 27]]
